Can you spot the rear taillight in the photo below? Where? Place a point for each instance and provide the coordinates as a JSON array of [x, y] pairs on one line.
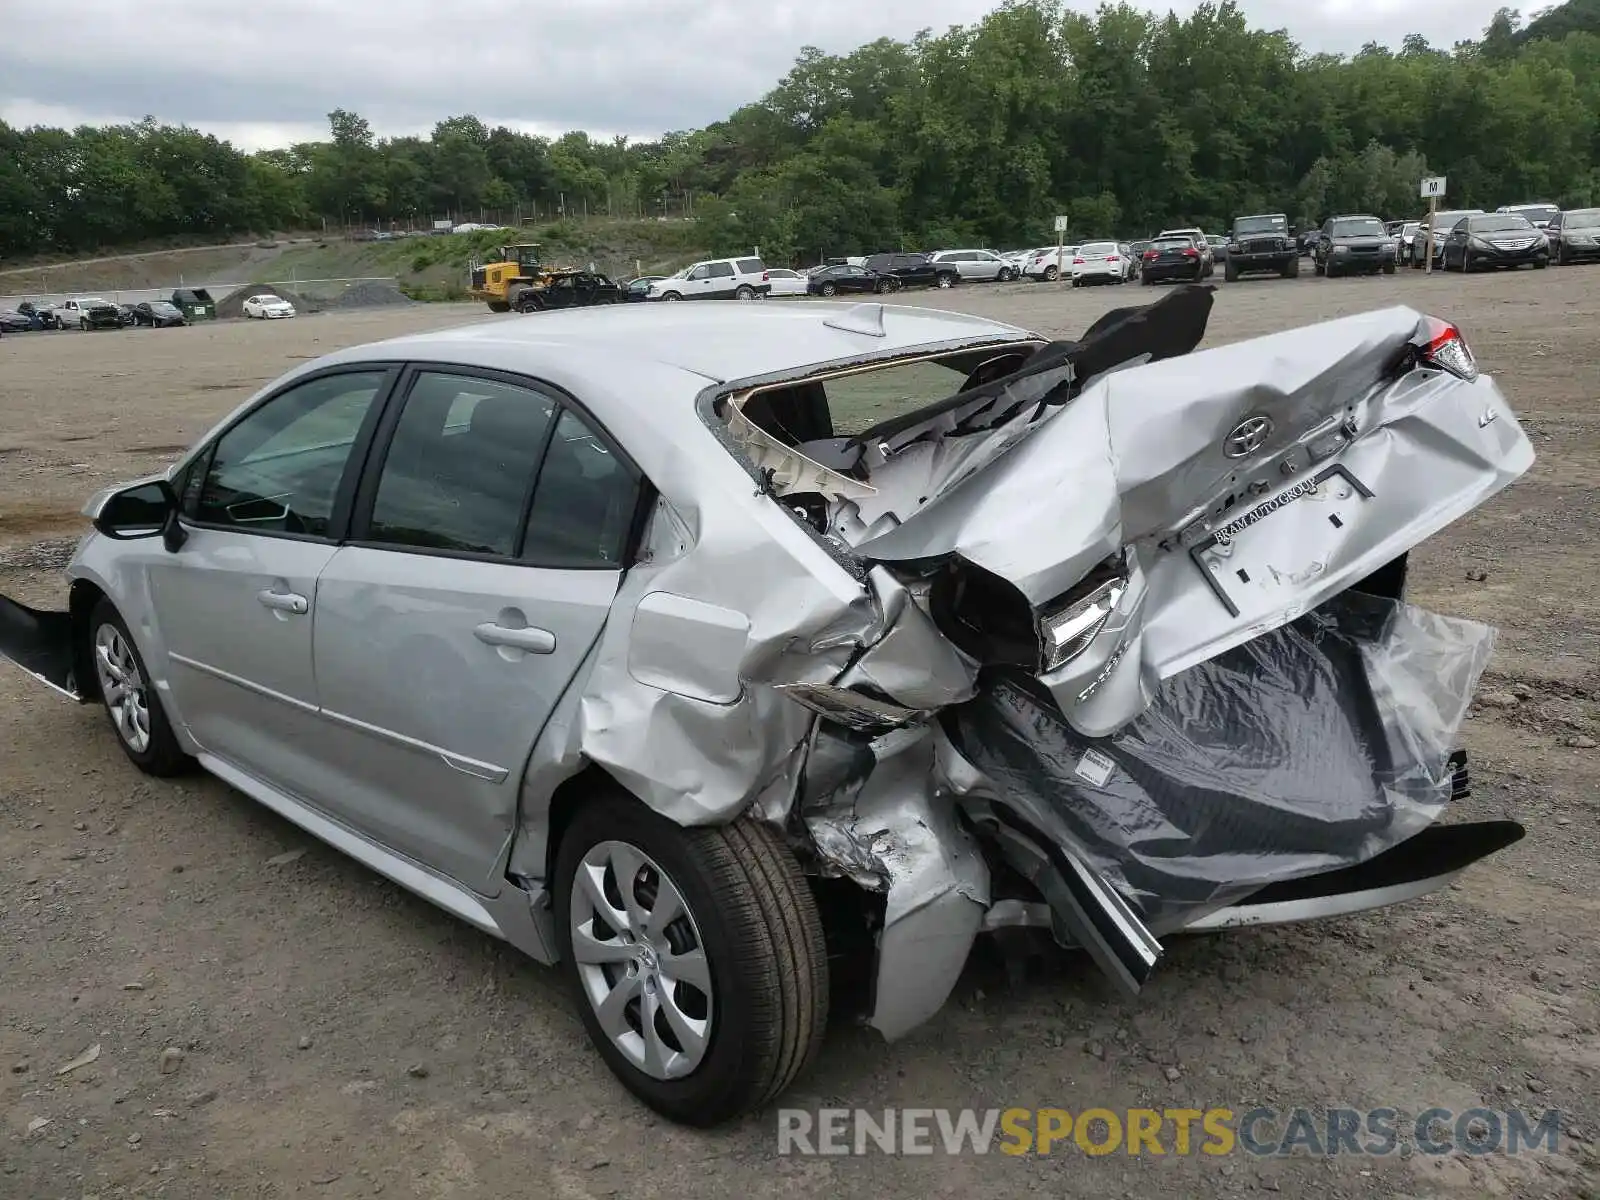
[[1151, 254], [1067, 629], [765, 276], [1112, 257], [1077, 262], [1191, 252], [1440, 344]]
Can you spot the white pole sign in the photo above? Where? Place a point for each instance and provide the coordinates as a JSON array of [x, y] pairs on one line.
[[1061, 224], [1433, 187]]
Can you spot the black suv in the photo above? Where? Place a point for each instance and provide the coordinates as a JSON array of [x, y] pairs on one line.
[[910, 270], [1260, 244], [1354, 245]]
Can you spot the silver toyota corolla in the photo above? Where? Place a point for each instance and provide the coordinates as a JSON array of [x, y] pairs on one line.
[[641, 637]]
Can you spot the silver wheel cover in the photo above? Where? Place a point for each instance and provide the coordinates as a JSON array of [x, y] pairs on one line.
[[641, 961], [123, 687]]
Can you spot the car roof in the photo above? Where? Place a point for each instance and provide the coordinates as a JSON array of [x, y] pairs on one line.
[[718, 342]]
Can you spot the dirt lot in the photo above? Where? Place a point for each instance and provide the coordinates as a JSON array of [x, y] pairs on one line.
[[340, 1038]]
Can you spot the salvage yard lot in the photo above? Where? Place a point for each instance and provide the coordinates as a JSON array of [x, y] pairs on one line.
[[338, 1034]]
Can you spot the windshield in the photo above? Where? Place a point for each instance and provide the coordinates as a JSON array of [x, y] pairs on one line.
[[1503, 223], [1099, 248], [1582, 218], [1272, 224], [162, 307], [1535, 212], [1172, 243], [1358, 227]]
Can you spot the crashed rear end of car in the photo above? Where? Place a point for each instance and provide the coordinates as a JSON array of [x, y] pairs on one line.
[[1134, 658]]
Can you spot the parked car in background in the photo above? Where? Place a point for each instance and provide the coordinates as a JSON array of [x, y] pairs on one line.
[[1219, 247], [1539, 215], [1442, 223], [786, 282], [1261, 243], [1201, 244], [1016, 260], [158, 314], [1574, 236], [22, 319], [638, 290], [568, 289], [1354, 245], [1173, 257], [827, 281], [971, 266], [267, 307], [1404, 233], [1491, 240], [124, 315], [909, 269], [1307, 241], [1100, 262], [716, 279], [88, 312], [1050, 263]]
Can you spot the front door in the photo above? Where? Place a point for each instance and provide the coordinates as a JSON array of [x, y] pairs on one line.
[[486, 550], [237, 602]]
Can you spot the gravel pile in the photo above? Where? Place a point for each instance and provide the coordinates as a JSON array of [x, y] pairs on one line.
[[370, 293]]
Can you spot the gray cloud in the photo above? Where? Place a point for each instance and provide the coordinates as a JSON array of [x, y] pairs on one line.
[[268, 74]]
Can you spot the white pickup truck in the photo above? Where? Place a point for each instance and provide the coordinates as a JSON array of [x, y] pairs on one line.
[[87, 312]]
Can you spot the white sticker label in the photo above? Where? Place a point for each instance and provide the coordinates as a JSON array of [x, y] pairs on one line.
[[1094, 767]]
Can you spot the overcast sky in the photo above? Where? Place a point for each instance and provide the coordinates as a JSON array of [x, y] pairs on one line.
[[267, 74]]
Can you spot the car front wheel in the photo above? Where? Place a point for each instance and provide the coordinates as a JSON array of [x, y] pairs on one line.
[[1051, 274], [947, 281], [132, 704], [696, 956]]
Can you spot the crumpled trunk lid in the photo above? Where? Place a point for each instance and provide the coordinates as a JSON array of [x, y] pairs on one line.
[[1244, 486]]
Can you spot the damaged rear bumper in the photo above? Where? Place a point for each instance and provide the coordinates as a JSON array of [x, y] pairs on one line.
[[43, 644], [1296, 777]]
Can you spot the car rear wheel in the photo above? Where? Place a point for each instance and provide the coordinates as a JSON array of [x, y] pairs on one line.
[[1051, 274], [695, 955], [745, 292], [827, 289], [883, 286], [132, 705], [946, 280]]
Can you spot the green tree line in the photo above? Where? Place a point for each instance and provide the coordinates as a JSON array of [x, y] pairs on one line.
[[1125, 120]]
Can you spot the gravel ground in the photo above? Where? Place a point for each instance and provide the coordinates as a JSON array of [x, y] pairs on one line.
[[273, 1020]]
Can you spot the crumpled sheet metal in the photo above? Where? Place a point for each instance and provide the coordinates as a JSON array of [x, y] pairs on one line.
[[890, 825], [1315, 747], [1138, 455], [697, 760]]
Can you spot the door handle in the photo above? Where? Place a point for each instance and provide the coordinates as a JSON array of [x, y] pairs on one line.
[[531, 639], [287, 602]]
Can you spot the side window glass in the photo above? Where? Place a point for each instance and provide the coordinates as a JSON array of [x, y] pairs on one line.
[[722, 270], [700, 273], [583, 504], [278, 470], [457, 474]]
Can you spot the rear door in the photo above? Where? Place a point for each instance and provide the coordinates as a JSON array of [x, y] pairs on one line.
[[486, 547], [722, 281]]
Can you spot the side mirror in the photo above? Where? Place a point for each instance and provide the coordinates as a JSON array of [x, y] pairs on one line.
[[143, 511]]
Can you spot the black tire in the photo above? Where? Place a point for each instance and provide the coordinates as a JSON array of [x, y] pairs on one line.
[[762, 936], [946, 279], [1540, 264], [828, 289], [744, 292], [1316, 267], [883, 286], [1466, 263], [1388, 268], [162, 756], [671, 296], [1291, 269], [1052, 273], [1230, 273], [1561, 257], [1146, 281]]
